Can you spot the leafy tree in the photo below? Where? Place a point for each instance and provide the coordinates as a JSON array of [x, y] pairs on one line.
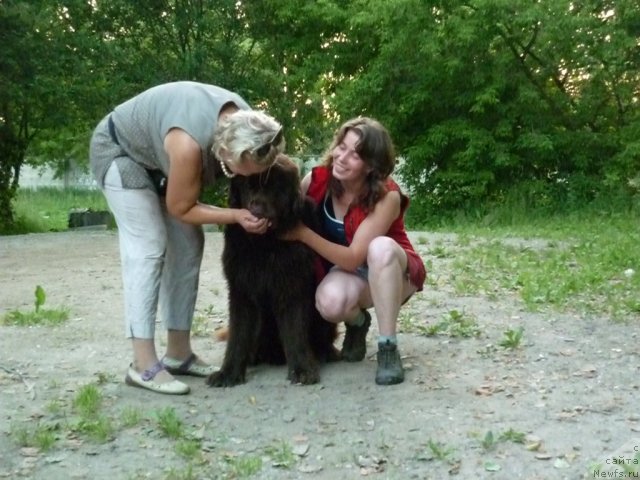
[[46, 94], [484, 96], [481, 96]]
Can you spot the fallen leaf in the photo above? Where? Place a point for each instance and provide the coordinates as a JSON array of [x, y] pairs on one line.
[[533, 446], [490, 466]]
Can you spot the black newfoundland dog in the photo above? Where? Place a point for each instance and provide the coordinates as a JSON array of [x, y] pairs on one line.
[[271, 283]]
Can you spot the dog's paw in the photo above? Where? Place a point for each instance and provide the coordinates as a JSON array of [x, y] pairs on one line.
[[304, 377], [224, 379]]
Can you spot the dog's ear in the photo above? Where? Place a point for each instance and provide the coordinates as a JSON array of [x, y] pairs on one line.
[[287, 164], [235, 198]]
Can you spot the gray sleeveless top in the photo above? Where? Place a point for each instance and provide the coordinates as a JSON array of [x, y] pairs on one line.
[[142, 122]]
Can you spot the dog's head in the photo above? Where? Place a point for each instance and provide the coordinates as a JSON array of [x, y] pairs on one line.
[[273, 194]]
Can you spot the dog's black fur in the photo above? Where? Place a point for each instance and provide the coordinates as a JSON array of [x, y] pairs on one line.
[[272, 314]]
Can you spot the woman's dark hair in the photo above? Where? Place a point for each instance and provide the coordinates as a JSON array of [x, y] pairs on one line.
[[376, 149]]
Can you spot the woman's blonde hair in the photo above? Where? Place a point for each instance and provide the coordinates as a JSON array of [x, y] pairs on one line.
[[243, 133]]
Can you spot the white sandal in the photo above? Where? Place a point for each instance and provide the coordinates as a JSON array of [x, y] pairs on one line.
[[188, 367], [146, 380]]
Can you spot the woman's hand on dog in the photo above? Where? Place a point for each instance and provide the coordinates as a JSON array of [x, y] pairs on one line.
[[251, 223]]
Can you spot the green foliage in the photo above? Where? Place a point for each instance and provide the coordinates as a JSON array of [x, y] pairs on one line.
[[47, 209], [40, 297], [512, 338], [41, 436], [494, 95], [281, 455], [88, 405], [170, 424], [39, 316], [483, 99], [244, 466], [88, 401], [49, 94], [440, 451], [455, 324], [586, 263], [188, 448]]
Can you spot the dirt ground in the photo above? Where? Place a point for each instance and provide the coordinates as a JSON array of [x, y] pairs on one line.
[[562, 404]]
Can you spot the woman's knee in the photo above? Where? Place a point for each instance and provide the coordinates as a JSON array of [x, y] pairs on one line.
[[384, 252], [331, 303]]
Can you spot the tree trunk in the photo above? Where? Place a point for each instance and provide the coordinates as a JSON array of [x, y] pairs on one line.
[[10, 164]]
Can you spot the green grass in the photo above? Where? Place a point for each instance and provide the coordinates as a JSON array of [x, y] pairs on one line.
[[88, 401], [574, 264], [47, 317], [40, 436], [454, 324], [512, 338], [170, 423], [38, 316], [244, 466], [93, 423], [47, 209], [581, 261]]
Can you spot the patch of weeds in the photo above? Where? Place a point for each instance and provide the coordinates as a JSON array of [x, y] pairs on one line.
[[98, 428], [406, 321], [281, 455], [21, 436], [454, 324], [131, 417], [42, 437], [513, 436], [439, 251], [170, 424], [243, 466], [489, 441], [39, 316], [88, 401], [439, 451], [43, 317], [512, 339], [464, 240], [187, 473], [55, 406], [589, 270], [188, 448], [631, 470]]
